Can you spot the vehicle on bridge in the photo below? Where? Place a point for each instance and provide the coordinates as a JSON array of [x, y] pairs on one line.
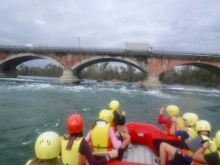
[[31, 46], [137, 47]]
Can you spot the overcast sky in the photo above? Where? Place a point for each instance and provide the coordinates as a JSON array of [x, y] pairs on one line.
[[175, 25]]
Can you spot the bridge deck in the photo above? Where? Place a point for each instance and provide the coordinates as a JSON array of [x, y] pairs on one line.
[[111, 52]]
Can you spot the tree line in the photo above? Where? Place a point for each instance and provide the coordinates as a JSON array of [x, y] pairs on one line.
[[105, 71], [50, 70], [188, 75]]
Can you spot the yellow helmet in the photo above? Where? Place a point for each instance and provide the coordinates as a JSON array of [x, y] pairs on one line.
[[203, 125], [114, 105], [106, 115], [192, 118], [172, 110], [47, 145], [217, 139]]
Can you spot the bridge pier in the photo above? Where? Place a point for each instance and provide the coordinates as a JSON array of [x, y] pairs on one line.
[[152, 80], [9, 73], [68, 77], [2, 75]]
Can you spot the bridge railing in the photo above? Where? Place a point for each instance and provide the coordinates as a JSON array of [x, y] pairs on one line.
[[97, 49], [19, 47], [185, 53]]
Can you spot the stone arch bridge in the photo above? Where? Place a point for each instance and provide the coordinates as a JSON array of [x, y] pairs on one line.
[[74, 60]]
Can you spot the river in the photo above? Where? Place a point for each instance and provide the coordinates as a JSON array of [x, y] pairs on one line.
[[31, 105]]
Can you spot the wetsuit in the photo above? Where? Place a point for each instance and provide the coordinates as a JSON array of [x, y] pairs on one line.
[[118, 119]]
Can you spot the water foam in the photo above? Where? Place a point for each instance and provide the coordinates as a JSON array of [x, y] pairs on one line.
[[26, 143], [198, 90]]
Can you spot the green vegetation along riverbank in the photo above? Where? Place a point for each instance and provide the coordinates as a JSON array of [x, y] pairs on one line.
[[188, 75]]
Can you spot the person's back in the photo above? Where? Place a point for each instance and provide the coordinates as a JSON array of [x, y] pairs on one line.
[[102, 136], [212, 158], [75, 149], [118, 122], [119, 119], [172, 111], [67, 154], [98, 137], [182, 154], [203, 128]]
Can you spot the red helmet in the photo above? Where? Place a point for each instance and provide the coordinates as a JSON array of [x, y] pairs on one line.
[[75, 123]]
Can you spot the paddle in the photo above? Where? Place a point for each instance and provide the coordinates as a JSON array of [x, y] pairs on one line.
[[100, 153]]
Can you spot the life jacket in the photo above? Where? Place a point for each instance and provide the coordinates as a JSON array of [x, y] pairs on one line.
[[197, 163], [213, 146], [192, 134], [72, 157], [179, 123], [101, 142], [178, 126]]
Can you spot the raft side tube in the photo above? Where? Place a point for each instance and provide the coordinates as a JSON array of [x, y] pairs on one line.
[[117, 162], [142, 133]]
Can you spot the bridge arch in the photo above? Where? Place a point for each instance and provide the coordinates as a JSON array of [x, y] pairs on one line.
[[18, 59], [9, 64], [206, 65], [79, 66]]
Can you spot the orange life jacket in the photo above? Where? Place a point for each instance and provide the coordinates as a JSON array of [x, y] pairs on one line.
[[113, 124], [198, 163]]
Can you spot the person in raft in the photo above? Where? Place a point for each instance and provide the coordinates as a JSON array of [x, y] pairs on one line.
[[171, 139], [212, 158], [187, 132], [119, 119], [203, 129], [47, 149], [103, 138], [75, 149]]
